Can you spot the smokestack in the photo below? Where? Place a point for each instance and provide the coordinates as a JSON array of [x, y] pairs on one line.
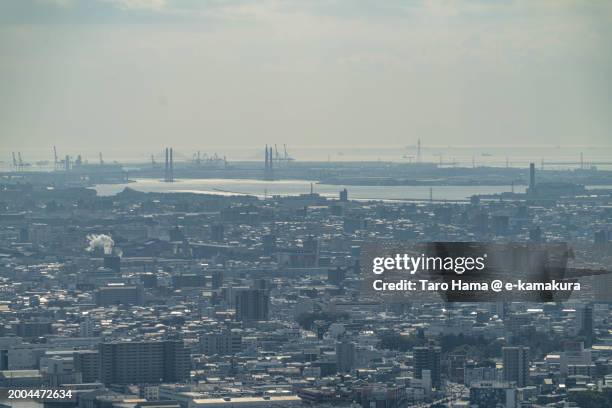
[[266, 160], [532, 181], [171, 166], [166, 166], [270, 169]]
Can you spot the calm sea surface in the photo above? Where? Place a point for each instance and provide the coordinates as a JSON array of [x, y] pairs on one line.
[[294, 187]]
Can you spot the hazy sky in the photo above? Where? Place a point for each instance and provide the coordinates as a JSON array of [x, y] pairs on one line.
[[149, 73]]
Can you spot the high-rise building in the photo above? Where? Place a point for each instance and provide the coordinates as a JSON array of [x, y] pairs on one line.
[[584, 321], [222, 343], [500, 309], [87, 364], [252, 304], [516, 365], [345, 356], [86, 327], [217, 232], [516, 325], [531, 191], [456, 367], [32, 328], [344, 195], [119, 294], [428, 358], [215, 278], [574, 355], [143, 362], [311, 251]]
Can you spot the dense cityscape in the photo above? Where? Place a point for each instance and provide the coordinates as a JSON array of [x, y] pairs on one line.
[[294, 204], [199, 300]]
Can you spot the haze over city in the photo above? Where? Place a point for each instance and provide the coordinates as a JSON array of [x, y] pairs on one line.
[[138, 74], [293, 204]]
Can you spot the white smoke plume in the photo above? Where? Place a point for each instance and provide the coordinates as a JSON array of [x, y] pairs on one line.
[[100, 241]]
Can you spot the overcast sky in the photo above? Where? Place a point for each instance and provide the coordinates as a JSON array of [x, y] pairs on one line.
[[148, 73]]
